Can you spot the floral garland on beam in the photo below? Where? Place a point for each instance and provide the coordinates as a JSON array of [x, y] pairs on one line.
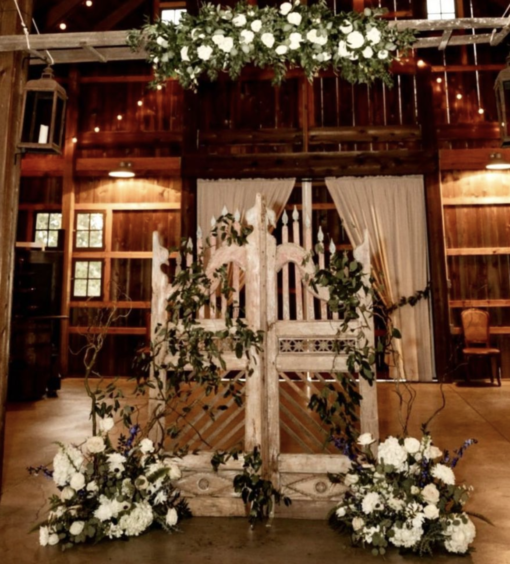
[[361, 46]]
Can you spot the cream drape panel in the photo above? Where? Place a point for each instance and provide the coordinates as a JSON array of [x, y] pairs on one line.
[[212, 195], [393, 211]]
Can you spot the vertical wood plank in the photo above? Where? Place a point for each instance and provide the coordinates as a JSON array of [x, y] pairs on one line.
[[299, 284], [107, 274], [306, 189], [285, 269]]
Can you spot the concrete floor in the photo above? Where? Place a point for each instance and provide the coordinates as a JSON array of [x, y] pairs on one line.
[[476, 411]]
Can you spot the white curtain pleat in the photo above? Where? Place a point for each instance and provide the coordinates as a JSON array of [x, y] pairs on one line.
[[213, 195], [393, 211]]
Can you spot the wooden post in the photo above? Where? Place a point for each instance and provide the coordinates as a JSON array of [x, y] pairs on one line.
[[12, 80], [68, 212], [435, 228]]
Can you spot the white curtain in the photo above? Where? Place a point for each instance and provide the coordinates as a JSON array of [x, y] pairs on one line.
[[393, 211], [213, 195]]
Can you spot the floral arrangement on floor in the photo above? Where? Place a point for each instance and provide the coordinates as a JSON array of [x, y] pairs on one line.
[[110, 493], [361, 46], [406, 496]]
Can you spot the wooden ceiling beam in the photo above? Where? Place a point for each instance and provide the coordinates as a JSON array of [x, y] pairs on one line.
[[60, 11], [118, 15]]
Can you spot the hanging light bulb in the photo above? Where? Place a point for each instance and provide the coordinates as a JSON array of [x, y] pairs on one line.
[[122, 171]]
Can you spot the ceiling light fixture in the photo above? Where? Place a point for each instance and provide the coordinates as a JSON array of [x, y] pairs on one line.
[[122, 171], [497, 162]]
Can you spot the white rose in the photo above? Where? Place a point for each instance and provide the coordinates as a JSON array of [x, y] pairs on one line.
[[365, 439], [367, 12], [431, 511], [295, 39], [430, 493], [383, 54], [355, 40], [267, 39], [285, 8], [342, 50], [95, 444], [218, 38], [294, 18], [340, 512], [171, 517], [77, 527], [415, 490], [204, 52], [162, 41], [412, 445], [53, 539], [357, 523], [281, 49], [44, 536], [184, 54], [227, 45], [239, 20], [374, 36], [351, 479], [67, 493], [367, 52], [256, 25], [432, 452], [77, 481], [146, 446], [92, 486], [174, 472], [247, 36], [346, 27], [319, 38]]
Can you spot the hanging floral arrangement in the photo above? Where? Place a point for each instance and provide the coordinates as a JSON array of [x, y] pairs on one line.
[[360, 46]]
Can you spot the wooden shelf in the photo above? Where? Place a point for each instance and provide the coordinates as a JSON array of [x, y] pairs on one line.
[[478, 303]]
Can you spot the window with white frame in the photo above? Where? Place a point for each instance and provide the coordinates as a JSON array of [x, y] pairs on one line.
[[87, 279], [441, 9], [47, 225], [89, 230]]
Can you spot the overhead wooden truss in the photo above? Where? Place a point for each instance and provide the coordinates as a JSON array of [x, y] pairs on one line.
[[107, 46]]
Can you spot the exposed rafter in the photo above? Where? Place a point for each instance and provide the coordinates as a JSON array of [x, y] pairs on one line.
[[112, 45]]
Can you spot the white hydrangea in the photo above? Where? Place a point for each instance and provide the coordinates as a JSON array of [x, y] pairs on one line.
[[137, 520], [371, 502], [407, 536], [459, 536], [66, 462], [391, 452], [444, 473]]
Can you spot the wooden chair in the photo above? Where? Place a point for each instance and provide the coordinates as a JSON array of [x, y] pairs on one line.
[[476, 329]]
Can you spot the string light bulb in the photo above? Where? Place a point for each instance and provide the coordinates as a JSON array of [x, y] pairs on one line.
[[140, 103], [88, 3], [119, 117], [74, 140], [421, 63], [96, 129], [459, 96], [439, 80], [159, 87], [63, 26]]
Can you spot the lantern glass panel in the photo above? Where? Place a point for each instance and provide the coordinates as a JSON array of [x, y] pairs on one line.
[[38, 111], [59, 117]]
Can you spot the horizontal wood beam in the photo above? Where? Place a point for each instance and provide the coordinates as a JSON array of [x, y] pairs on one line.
[[466, 68], [485, 130], [308, 165], [479, 303], [469, 159], [109, 331], [112, 254], [125, 206], [98, 166], [477, 201], [477, 251], [119, 305], [128, 138]]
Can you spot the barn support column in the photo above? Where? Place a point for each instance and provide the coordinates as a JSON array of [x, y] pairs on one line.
[[13, 72], [435, 227]]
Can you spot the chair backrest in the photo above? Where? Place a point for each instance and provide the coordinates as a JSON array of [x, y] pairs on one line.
[[476, 326]]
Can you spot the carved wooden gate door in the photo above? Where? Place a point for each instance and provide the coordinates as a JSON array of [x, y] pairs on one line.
[[297, 361]]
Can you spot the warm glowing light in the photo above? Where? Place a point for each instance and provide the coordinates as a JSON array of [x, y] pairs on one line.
[[122, 171], [74, 139], [159, 87], [421, 63], [88, 3], [497, 162], [63, 26], [481, 111], [140, 103], [439, 80], [96, 129], [119, 117], [459, 96]]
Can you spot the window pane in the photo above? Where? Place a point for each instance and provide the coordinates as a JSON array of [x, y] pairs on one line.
[[80, 288], [448, 6], [96, 239], [94, 288], [95, 268], [41, 237], [55, 221], [52, 238], [42, 221], [96, 221], [82, 239], [82, 220], [81, 269]]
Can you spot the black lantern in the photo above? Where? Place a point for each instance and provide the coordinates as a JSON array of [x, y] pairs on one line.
[[44, 109], [502, 88]]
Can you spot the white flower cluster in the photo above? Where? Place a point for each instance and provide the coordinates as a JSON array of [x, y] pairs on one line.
[[406, 497], [361, 45], [107, 493]]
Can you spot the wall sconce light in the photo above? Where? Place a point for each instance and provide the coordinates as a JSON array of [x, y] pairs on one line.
[[497, 162], [122, 171], [44, 107]]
